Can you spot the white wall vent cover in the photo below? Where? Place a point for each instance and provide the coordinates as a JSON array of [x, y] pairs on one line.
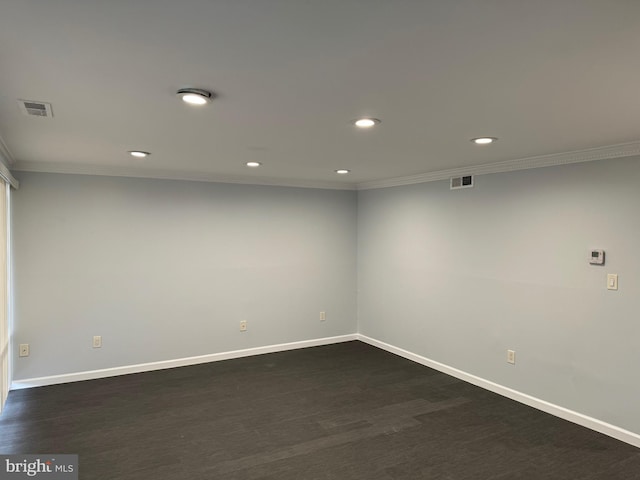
[[461, 182], [36, 109]]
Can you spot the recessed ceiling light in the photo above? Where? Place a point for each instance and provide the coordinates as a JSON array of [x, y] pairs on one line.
[[342, 171], [195, 96], [484, 140], [366, 122], [253, 164], [138, 153]]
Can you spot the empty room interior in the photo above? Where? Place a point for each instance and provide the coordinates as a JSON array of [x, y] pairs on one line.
[[281, 239]]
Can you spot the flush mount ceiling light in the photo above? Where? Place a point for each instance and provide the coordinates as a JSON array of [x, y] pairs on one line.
[[138, 153], [342, 171], [366, 122], [253, 164], [195, 96], [484, 140]]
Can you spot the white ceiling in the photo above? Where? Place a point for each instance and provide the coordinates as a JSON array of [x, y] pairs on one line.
[[545, 76]]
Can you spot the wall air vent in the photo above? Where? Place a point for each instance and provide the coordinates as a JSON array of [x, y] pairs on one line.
[[461, 182], [36, 109]]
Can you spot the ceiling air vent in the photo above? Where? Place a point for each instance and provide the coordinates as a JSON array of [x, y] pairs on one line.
[[36, 109], [461, 182]]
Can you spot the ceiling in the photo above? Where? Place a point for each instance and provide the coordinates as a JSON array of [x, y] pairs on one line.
[[544, 76]]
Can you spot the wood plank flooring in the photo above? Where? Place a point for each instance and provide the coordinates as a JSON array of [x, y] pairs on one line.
[[346, 411]]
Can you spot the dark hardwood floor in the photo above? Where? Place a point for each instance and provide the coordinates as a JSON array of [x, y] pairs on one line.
[[345, 411]]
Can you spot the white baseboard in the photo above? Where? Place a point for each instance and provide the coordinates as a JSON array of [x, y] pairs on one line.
[[179, 362], [564, 413]]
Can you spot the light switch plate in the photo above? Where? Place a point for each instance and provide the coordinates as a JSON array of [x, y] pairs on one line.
[[612, 281]]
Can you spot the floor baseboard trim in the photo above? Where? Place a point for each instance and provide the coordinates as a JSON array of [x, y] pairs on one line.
[[556, 410], [180, 362]]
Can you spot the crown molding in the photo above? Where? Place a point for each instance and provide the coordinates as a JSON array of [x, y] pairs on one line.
[[81, 169], [578, 156], [556, 159]]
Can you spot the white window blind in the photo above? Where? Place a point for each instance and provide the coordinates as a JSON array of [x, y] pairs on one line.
[[4, 298]]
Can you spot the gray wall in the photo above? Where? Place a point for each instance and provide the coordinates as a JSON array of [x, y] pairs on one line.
[[167, 269], [461, 276]]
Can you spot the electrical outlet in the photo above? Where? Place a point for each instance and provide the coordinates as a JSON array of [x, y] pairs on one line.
[[323, 316], [97, 341], [243, 325], [511, 357], [24, 350]]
